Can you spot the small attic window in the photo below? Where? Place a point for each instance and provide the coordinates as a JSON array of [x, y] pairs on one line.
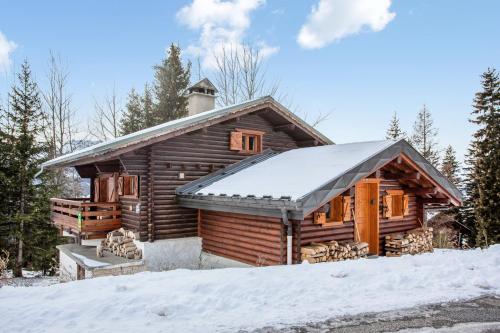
[[246, 141]]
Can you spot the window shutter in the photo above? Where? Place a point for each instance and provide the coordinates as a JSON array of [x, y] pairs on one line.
[[319, 218], [135, 191], [96, 190], [336, 209], [111, 189], [406, 209], [120, 185], [346, 209], [236, 141], [388, 206]]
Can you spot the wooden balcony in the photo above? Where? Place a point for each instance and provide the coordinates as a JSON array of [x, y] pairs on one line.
[[82, 217]]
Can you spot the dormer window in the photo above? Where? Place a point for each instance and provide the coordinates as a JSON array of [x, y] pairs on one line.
[[246, 141]]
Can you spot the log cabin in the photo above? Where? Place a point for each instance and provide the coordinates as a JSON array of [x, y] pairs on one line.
[[245, 185]]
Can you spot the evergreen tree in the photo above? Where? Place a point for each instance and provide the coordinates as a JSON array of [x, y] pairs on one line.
[[450, 167], [133, 117], [171, 82], [25, 208], [484, 164], [148, 107], [394, 132], [424, 136]]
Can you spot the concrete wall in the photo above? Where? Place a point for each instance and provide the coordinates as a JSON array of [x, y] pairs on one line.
[[169, 254], [211, 261], [68, 268]]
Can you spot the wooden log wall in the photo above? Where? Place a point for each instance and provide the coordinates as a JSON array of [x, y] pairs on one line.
[[135, 163], [254, 240], [195, 155], [408, 222]]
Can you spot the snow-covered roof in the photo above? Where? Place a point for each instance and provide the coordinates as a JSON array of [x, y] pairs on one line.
[[175, 125], [295, 173], [300, 180]]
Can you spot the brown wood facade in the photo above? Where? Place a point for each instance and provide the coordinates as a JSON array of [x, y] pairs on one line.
[[260, 240], [165, 165]]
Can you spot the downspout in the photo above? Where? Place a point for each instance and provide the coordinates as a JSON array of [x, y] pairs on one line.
[[39, 172], [289, 237]]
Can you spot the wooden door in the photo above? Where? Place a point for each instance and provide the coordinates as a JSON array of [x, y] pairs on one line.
[[366, 214]]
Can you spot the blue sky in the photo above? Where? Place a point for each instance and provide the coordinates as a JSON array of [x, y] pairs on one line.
[[360, 65]]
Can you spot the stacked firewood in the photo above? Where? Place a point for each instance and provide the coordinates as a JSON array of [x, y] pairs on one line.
[[121, 243], [411, 242], [333, 251]]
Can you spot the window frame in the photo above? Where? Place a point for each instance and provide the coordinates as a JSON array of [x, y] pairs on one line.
[[246, 136], [397, 198], [130, 181], [327, 219]]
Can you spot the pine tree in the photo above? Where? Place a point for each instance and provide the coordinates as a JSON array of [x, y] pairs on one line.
[[25, 208], [148, 107], [424, 136], [171, 82], [133, 118], [484, 165], [450, 167], [394, 132]]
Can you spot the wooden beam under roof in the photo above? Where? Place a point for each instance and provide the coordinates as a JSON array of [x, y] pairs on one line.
[[284, 127]]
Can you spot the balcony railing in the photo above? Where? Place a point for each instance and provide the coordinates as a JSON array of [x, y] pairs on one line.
[[81, 216]]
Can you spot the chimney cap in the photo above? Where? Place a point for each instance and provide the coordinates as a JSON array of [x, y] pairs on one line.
[[203, 86]]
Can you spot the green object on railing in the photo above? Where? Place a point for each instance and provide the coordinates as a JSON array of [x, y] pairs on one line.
[[80, 219]]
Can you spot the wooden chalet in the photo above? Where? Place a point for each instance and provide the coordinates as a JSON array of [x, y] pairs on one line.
[[133, 178], [251, 181]]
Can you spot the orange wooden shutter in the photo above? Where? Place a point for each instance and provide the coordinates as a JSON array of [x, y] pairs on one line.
[[120, 185], [236, 141], [346, 209], [96, 190], [336, 210], [387, 206], [406, 209]]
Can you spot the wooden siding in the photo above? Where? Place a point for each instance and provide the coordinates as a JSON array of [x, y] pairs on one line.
[[254, 240], [135, 163], [195, 155], [407, 222]]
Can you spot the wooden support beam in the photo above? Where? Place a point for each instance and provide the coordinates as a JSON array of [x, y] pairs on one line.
[[422, 190], [284, 127], [402, 176], [444, 201], [307, 143]]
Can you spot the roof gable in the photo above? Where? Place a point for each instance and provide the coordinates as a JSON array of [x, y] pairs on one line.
[[136, 140]]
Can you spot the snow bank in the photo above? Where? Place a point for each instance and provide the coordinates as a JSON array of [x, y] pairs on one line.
[[246, 298]]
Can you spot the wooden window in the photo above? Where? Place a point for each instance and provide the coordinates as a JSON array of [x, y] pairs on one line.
[[395, 204], [335, 212], [246, 141], [128, 186]]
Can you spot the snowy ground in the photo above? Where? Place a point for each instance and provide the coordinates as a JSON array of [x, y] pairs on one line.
[[29, 279], [227, 300]]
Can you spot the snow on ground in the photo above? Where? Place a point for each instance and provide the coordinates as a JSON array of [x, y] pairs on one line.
[[226, 300], [29, 279], [89, 262]]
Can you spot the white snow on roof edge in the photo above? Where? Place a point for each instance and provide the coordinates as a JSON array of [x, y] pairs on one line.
[[297, 172]]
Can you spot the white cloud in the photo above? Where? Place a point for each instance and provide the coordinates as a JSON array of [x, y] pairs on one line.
[[221, 24], [6, 48], [332, 20]]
